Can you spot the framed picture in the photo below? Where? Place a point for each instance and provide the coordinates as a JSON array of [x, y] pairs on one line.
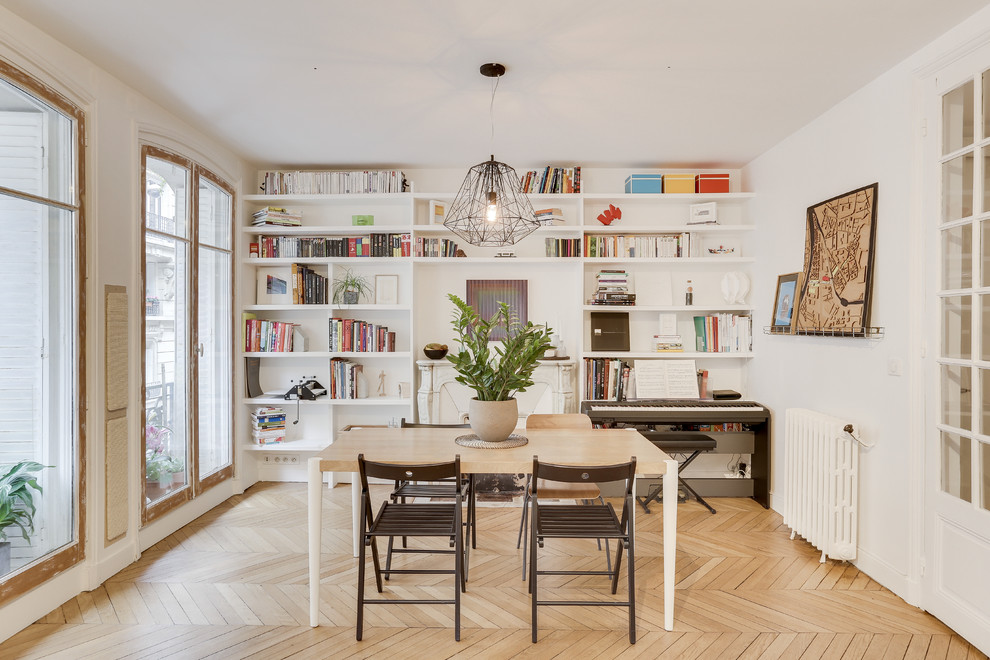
[[438, 212], [386, 289], [838, 264], [274, 286], [785, 302], [485, 295]]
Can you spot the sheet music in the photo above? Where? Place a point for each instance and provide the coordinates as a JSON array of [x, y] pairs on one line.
[[666, 379]]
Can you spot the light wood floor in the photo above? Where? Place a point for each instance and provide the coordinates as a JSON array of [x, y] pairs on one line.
[[233, 585]]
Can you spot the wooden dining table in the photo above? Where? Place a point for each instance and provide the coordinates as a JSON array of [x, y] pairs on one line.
[[432, 445]]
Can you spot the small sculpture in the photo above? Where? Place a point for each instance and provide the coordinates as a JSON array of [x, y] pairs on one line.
[[609, 215], [381, 383]]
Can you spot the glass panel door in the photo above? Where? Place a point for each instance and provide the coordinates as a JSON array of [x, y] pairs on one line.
[[214, 348], [167, 332]]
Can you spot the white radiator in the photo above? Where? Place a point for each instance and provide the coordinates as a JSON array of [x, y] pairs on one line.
[[821, 458]]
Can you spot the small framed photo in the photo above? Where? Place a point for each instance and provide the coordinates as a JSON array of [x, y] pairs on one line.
[[438, 212], [386, 289], [274, 286], [785, 303]]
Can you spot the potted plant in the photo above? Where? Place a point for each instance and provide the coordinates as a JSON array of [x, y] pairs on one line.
[[495, 371], [17, 505], [349, 287]]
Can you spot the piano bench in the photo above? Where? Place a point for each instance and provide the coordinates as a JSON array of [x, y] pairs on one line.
[[679, 443]]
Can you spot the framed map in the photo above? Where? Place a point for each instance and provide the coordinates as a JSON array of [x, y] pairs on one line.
[[838, 264]]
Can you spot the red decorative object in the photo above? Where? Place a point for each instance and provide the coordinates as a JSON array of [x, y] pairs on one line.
[[610, 214]]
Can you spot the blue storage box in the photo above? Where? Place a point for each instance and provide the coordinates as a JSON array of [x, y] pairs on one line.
[[644, 183]]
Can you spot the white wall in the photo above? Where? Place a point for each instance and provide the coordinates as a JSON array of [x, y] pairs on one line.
[[115, 115], [873, 135]]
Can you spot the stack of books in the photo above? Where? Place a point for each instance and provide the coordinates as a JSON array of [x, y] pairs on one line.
[[268, 425], [549, 217], [344, 378], [613, 288], [668, 343], [275, 215]]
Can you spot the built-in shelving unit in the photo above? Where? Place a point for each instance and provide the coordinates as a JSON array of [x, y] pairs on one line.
[[559, 288]]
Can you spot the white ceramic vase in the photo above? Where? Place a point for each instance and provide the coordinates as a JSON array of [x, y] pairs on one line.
[[493, 421]]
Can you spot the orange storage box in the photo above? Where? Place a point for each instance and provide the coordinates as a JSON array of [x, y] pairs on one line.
[[711, 183], [678, 183]]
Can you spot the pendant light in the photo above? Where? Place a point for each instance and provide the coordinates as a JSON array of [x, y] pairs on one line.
[[489, 209]]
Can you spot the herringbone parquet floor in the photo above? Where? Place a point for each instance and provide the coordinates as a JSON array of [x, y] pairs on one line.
[[233, 585]]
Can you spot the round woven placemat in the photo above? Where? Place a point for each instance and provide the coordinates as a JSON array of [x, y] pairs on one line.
[[472, 440]]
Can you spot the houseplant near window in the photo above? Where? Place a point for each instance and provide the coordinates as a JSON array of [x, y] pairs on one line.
[[495, 371], [17, 505], [349, 287]]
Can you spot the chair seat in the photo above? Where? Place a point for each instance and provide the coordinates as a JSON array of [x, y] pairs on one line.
[[578, 520], [559, 490], [414, 520]]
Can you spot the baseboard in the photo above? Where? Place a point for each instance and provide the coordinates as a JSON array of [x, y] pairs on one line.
[[882, 572]]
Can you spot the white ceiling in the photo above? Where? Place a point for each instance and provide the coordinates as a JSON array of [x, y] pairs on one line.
[[636, 83]]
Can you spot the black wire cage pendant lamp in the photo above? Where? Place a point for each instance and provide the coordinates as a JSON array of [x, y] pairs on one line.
[[489, 209]]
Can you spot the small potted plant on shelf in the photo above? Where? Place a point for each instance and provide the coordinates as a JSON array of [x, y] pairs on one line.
[[495, 371], [349, 287], [17, 505]]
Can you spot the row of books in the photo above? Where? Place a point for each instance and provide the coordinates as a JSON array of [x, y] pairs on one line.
[[726, 427], [723, 333], [331, 182], [268, 425], [636, 245], [606, 378], [435, 247], [344, 378], [353, 335], [372, 245], [275, 215], [264, 336], [308, 286], [563, 247], [552, 180]]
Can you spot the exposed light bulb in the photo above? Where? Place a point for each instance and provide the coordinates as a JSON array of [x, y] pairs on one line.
[[491, 214]]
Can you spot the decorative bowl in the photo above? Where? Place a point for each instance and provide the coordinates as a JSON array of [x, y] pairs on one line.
[[435, 353]]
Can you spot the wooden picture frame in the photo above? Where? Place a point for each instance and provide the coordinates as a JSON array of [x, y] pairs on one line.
[[785, 303], [386, 289], [438, 212], [836, 290]]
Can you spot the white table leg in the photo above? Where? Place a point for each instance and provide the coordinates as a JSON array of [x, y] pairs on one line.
[[315, 538], [669, 541], [356, 509]]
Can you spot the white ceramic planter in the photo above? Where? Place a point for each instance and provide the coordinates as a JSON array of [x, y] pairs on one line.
[[493, 421]]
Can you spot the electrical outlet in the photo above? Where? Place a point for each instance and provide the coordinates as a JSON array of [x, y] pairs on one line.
[[281, 459]]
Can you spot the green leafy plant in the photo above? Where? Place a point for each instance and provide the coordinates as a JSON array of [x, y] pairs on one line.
[[16, 500], [496, 371], [349, 281]]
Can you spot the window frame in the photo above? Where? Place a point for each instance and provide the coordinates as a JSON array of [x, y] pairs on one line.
[[43, 569], [196, 486]]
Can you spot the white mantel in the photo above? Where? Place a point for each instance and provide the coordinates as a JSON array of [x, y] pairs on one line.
[[442, 400]]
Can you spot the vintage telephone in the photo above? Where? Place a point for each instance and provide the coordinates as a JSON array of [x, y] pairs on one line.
[[306, 388]]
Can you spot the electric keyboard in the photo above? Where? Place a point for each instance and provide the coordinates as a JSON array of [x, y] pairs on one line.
[[645, 413], [671, 411]]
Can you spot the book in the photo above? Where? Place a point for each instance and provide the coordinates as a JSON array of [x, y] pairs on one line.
[[666, 379]]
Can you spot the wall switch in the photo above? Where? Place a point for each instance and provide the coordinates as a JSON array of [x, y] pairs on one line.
[[894, 366]]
